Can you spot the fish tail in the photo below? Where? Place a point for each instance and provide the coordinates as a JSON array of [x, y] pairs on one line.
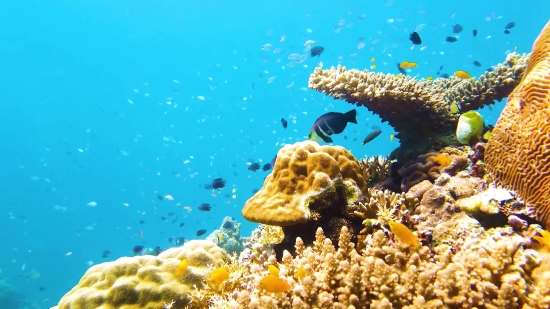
[[351, 116]]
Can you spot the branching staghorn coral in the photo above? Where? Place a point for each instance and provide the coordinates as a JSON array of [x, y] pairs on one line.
[[375, 169], [419, 110], [390, 206], [491, 272]]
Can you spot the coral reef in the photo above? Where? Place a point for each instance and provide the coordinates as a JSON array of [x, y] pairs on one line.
[[146, 281], [376, 169], [494, 271], [419, 110], [429, 167], [228, 236], [311, 186], [517, 153]]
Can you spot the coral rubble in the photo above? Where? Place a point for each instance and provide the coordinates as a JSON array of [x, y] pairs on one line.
[[518, 153]]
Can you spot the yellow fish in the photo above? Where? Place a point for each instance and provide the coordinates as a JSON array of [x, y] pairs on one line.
[[404, 64], [372, 67], [273, 270], [300, 273], [220, 237], [219, 275], [453, 109], [182, 268], [402, 232], [392, 137], [372, 59], [274, 284], [430, 77], [463, 74]]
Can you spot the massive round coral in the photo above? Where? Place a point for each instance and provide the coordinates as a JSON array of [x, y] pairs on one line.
[[143, 282], [302, 172], [518, 152]]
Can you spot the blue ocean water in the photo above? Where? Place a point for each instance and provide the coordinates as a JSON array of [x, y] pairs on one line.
[[112, 103]]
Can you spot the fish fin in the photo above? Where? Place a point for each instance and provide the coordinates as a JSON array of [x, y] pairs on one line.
[[351, 116], [314, 137], [327, 139]]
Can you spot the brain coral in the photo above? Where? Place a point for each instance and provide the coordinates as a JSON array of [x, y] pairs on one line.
[[419, 110], [145, 281], [518, 152], [302, 172]]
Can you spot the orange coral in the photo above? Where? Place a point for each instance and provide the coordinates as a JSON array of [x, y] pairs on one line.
[[302, 171], [517, 153]]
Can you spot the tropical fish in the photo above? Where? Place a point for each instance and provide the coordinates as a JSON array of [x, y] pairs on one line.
[[200, 232], [407, 65], [463, 74], [300, 273], [451, 39], [273, 270], [182, 267], [415, 38], [254, 167], [204, 207], [274, 284], [284, 123], [137, 249], [474, 32], [372, 135], [404, 234], [317, 51], [329, 124], [219, 275], [457, 28], [217, 183], [453, 108]]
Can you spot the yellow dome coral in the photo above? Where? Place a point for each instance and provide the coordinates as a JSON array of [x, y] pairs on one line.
[[147, 281], [301, 173]]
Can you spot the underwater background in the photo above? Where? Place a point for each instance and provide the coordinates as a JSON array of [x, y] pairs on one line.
[[116, 114]]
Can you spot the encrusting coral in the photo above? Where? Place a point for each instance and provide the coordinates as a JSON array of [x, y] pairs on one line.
[[491, 272], [143, 282], [429, 167], [419, 110], [518, 154]]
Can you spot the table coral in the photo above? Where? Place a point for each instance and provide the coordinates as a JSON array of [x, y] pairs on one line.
[[494, 271], [419, 110], [517, 153], [145, 281]]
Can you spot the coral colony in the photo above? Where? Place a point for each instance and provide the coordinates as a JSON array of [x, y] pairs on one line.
[[452, 219]]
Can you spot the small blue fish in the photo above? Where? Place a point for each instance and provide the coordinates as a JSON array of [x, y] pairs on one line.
[[317, 51]]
